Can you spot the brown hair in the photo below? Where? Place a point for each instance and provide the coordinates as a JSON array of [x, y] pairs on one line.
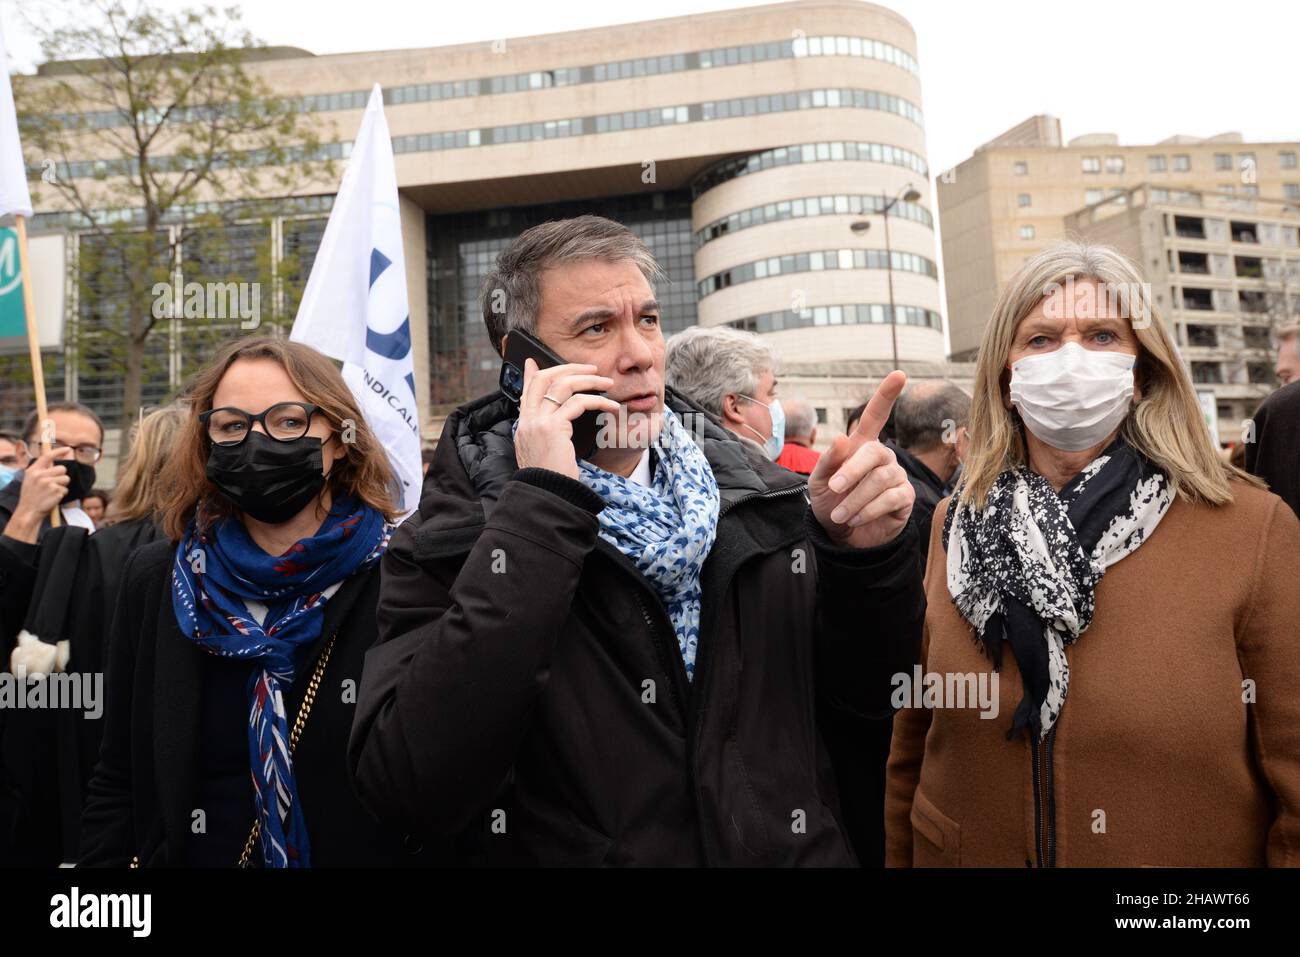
[[363, 472], [141, 490], [31, 424]]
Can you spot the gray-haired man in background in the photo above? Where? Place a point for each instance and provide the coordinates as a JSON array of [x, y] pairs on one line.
[[930, 420]]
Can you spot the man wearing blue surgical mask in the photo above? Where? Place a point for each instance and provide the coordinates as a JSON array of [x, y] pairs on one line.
[[13, 456], [732, 376], [749, 413]]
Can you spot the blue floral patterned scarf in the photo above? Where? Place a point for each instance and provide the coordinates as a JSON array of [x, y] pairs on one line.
[[214, 575], [667, 528]]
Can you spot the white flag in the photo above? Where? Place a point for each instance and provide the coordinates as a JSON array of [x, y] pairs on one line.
[[354, 307], [14, 197]]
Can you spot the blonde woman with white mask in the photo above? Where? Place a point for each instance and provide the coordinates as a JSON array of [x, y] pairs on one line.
[[1130, 598]]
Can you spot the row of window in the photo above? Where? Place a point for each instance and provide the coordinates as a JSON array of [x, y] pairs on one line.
[[1250, 302], [581, 126], [809, 206], [102, 169], [1220, 230], [1091, 197], [1182, 163], [1092, 164], [833, 98], [855, 314], [816, 262], [662, 116], [229, 211], [1208, 337], [796, 48], [728, 170], [1211, 373]]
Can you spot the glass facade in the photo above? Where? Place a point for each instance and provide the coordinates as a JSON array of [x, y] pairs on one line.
[[17, 394], [853, 314], [728, 170], [93, 356], [816, 262], [847, 205], [462, 248]]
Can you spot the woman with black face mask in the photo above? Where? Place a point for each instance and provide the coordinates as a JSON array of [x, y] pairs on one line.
[[238, 641]]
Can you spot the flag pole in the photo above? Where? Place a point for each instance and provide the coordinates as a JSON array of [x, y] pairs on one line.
[[34, 345]]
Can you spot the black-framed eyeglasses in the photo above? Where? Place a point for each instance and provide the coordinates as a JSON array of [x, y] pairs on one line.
[[284, 422], [85, 454]]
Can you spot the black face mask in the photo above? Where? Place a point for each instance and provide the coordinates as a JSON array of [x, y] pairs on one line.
[[81, 479], [268, 480]]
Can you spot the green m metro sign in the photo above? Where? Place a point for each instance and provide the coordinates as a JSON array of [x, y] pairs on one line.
[[46, 271], [13, 327]]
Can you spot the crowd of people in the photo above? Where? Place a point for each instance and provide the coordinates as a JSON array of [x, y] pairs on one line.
[[687, 647]]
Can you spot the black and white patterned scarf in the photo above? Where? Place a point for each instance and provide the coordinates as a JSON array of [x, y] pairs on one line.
[[1024, 568]]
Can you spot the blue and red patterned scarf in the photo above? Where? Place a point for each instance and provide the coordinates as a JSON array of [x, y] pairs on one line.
[[214, 575]]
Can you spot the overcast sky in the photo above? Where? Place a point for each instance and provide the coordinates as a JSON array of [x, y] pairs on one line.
[[1145, 69]]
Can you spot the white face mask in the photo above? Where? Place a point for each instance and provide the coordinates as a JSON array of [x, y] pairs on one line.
[[1073, 398]]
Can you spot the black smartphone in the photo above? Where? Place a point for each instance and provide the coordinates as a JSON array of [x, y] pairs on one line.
[[521, 345]]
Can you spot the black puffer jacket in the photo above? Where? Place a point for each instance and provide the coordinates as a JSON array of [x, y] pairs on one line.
[[528, 683]]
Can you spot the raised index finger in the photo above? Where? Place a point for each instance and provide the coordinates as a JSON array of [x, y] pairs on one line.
[[876, 414], [44, 460]]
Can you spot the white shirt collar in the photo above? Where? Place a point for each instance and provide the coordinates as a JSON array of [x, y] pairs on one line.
[[641, 474], [74, 515]]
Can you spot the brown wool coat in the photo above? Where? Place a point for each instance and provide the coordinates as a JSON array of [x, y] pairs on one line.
[[1157, 760]]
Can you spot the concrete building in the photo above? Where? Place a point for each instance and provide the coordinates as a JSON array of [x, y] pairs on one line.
[[1014, 194], [1224, 271], [740, 144]]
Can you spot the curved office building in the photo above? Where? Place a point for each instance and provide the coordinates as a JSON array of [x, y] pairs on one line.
[[742, 145]]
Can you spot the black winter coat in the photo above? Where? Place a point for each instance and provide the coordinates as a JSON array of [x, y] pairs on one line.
[[529, 684], [929, 492], [142, 796], [1274, 453], [47, 756]]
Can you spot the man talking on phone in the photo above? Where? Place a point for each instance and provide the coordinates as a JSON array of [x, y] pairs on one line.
[[621, 659]]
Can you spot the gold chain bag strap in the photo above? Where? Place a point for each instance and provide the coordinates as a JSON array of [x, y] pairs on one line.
[[304, 712]]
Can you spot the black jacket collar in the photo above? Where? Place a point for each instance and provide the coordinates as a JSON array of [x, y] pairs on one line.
[[916, 469]]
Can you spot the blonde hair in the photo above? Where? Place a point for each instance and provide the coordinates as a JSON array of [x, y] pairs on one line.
[[140, 485], [1166, 424]]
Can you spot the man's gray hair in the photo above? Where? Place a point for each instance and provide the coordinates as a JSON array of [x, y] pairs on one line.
[[707, 363], [800, 416], [511, 295], [926, 411]]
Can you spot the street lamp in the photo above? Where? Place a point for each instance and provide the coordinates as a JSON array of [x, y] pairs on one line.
[[909, 195]]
